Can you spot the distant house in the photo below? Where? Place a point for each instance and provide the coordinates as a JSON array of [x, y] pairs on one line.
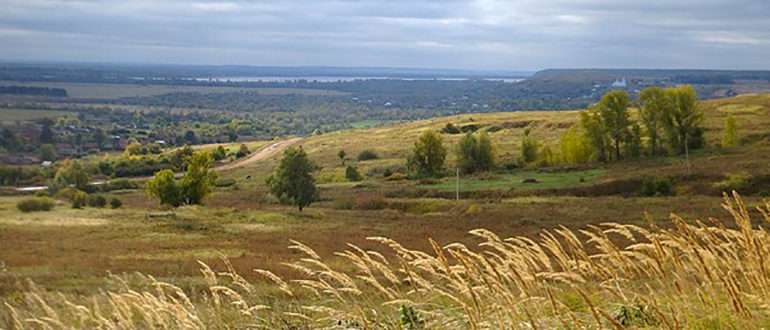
[[620, 83]]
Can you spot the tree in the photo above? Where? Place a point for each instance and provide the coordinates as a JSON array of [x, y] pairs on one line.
[[575, 146], [341, 155], [47, 152], [99, 137], [198, 179], [133, 149], [466, 153], [682, 121], [191, 189], [634, 143], [219, 153], [190, 137], [70, 173], [730, 135], [595, 133], [352, 174], [46, 134], [654, 104], [428, 155], [613, 113], [243, 151], [475, 153], [8, 140], [292, 180], [529, 148], [164, 188]]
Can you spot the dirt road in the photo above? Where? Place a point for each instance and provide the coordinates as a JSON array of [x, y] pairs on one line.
[[259, 155]]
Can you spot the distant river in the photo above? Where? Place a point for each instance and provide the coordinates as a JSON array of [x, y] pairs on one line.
[[335, 79]]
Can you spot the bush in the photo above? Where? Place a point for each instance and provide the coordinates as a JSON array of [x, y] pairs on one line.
[[35, 204], [367, 155], [79, 199], [224, 182], [734, 182], [96, 201], [344, 203], [119, 184], [450, 129], [352, 175], [652, 186], [115, 203], [66, 193]]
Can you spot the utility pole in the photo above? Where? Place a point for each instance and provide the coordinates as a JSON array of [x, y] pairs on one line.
[[457, 185]]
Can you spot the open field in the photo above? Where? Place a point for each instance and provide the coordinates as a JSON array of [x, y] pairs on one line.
[[72, 251], [114, 91], [14, 115]]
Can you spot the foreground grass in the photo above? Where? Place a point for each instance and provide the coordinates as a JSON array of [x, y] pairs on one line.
[[686, 275]]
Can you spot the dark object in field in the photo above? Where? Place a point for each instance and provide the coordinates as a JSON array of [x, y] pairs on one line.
[[470, 128], [248, 177], [155, 215], [530, 180]]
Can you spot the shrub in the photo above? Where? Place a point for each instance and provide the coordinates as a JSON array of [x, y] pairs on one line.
[[119, 184], [653, 186], [115, 203], [224, 182], [96, 201], [367, 155], [79, 199], [35, 204], [450, 129], [351, 174], [66, 193], [734, 182], [370, 201]]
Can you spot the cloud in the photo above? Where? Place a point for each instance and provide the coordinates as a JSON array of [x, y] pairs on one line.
[[484, 34]]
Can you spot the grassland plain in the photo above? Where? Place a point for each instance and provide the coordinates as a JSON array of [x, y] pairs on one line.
[[9, 115], [72, 250], [113, 91]]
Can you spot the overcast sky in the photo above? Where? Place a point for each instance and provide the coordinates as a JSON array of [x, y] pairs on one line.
[[483, 34]]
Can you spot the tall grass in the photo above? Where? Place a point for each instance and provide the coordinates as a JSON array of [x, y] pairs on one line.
[[696, 275]]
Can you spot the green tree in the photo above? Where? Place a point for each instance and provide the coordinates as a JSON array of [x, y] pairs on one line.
[[428, 155], [654, 104], [730, 135], [191, 189], [133, 149], [70, 173], [47, 152], [475, 153], [243, 151], [529, 148], [219, 153], [466, 153], [613, 113], [595, 133], [634, 143], [341, 155], [682, 121], [575, 146], [198, 179], [292, 180], [164, 188], [352, 174]]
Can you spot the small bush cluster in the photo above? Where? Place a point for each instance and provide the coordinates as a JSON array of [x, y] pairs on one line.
[[79, 199], [96, 201], [35, 204], [654, 186], [115, 203], [734, 182], [367, 155]]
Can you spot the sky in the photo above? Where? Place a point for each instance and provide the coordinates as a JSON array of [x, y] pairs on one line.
[[479, 34]]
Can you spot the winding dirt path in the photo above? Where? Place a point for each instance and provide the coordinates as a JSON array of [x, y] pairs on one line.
[[259, 155]]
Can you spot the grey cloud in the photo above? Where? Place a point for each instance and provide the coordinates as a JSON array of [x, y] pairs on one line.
[[486, 34]]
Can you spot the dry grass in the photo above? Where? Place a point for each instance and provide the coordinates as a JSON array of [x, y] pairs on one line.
[[687, 275]]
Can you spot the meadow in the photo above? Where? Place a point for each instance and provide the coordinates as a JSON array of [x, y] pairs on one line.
[[578, 249]]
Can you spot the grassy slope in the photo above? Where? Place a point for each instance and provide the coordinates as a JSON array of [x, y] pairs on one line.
[[72, 249]]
